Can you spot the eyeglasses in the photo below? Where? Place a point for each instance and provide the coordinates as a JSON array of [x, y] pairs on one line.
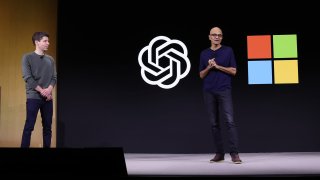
[[216, 35]]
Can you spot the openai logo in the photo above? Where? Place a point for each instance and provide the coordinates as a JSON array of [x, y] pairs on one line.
[[164, 62]]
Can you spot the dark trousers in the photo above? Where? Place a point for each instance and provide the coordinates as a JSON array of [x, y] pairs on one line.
[[220, 105], [46, 110]]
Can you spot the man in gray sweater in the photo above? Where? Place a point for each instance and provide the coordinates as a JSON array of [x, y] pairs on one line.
[[40, 76]]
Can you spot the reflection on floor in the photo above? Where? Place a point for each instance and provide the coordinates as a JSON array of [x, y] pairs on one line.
[[254, 164]]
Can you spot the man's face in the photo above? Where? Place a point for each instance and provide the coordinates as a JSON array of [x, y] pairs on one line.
[[43, 44], [215, 36]]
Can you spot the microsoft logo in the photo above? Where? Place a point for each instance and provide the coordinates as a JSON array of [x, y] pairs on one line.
[[272, 59]]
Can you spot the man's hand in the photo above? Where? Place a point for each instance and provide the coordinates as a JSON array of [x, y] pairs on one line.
[[47, 92], [49, 97], [211, 63]]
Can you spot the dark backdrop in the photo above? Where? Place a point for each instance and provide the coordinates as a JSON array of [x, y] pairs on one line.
[[104, 102]]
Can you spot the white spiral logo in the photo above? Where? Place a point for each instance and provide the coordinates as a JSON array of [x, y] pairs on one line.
[[164, 62]]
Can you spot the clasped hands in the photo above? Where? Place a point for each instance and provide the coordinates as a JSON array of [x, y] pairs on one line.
[[212, 64], [47, 92]]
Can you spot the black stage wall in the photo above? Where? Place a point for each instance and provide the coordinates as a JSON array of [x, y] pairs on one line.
[[103, 100]]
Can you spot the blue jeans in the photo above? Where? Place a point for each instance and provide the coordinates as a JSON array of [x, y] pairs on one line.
[[46, 110], [219, 105]]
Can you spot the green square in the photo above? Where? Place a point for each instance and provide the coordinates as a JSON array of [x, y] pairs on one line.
[[285, 46]]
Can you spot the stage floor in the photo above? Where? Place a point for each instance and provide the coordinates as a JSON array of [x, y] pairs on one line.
[[298, 164]]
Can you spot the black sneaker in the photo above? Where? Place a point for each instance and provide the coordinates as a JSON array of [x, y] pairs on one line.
[[235, 158], [217, 158]]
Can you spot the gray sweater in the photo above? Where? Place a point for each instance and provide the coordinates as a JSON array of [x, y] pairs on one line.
[[38, 71]]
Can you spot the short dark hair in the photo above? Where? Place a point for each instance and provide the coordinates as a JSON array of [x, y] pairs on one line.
[[37, 36]]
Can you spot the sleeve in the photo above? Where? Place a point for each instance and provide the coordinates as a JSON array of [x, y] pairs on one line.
[[54, 74], [202, 65], [27, 74], [232, 59]]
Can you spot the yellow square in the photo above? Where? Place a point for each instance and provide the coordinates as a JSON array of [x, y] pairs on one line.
[[286, 71]]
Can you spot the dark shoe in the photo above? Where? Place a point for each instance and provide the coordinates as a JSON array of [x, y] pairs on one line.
[[235, 158], [217, 158]]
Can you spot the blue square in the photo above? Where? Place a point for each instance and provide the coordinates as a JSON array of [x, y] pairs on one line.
[[260, 72]]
